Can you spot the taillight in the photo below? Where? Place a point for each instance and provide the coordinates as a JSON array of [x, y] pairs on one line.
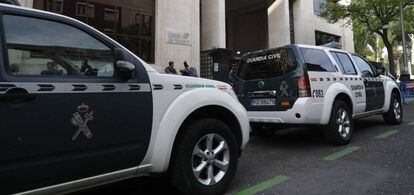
[[234, 87], [304, 86]]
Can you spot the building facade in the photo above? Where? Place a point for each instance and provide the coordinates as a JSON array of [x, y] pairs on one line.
[[259, 24], [160, 31]]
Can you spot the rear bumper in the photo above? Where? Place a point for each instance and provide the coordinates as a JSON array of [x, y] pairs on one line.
[[304, 111]]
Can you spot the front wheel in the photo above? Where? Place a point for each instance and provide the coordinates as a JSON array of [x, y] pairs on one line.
[[340, 127], [395, 113], [205, 158]]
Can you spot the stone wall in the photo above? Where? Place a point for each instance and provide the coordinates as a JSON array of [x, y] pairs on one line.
[[279, 30], [305, 24], [177, 33]]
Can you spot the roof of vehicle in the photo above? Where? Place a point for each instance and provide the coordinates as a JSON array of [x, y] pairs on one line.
[[318, 47], [263, 50], [299, 46], [35, 11]]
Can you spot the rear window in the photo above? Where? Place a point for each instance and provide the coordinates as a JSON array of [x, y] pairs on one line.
[[267, 64], [317, 60]]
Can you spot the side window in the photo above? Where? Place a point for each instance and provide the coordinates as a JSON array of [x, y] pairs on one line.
[[44, 48], [344, 62], [317, 60], [363, 66]]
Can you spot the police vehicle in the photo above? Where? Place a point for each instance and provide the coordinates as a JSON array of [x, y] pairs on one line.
[[78, 110], [310, 85]]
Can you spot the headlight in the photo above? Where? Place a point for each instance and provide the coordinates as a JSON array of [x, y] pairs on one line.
[[232, 93], [228, 89]]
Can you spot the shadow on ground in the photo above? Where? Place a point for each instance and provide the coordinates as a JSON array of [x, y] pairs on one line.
[[135, 186]]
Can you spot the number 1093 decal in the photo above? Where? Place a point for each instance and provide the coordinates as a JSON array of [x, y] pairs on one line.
[[317, 93]]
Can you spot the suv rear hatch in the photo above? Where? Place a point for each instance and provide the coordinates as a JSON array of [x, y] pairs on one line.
[[270, 80]]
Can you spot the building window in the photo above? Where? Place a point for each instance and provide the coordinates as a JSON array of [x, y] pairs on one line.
[[318, 6], [322, 38], [144, 35], [137, 19], [85, 10], [55, 6], [111, 15], [131, 23]]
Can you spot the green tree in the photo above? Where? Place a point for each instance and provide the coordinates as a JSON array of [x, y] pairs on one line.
[[363, 38], [375, 15]]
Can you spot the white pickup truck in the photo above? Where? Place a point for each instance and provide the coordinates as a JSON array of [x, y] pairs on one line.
[[78, 110]]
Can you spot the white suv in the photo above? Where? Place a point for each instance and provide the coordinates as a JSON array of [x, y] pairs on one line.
[[310, 85]]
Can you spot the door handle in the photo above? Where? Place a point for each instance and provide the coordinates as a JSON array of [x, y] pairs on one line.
[[17, 95]]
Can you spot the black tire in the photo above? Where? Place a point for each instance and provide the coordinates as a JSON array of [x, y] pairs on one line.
[[181, 170], [391, 117], [332, 131]]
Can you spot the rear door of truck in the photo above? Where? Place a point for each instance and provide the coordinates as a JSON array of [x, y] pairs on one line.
[[321, 71], [267, 80]]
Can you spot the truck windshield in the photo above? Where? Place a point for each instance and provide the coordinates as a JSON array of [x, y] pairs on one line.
[[267, 64]]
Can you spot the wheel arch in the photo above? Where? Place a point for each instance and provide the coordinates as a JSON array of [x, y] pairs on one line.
[[388, 99], [185, 108], [345, 98], [210, 111], [336, 92], [216, 112], [390, 88], [397, 91]]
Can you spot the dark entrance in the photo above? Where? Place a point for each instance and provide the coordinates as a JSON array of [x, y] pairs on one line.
[[247, 24]]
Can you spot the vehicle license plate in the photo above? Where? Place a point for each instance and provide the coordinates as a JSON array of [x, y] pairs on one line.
[[263, 102]]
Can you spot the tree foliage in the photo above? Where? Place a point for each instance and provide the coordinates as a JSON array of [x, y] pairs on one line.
[[373, 16], [363, 38]]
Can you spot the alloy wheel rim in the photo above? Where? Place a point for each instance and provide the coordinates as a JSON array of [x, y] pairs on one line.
[[343, 122], [397, 110], [210, 159]]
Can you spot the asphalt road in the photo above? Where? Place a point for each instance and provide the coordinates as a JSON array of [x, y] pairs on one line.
[[379, 160]]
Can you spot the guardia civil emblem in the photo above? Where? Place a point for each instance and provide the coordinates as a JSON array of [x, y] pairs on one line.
[[260, 84], [284, 87], [80, 120]]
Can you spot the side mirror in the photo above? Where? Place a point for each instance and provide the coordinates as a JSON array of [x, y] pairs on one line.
[[125, 70], [120, 55], [380, 71]]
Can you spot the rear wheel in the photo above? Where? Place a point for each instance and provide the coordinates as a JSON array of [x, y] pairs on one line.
[[340, 128], [395, 113], [205, 158]]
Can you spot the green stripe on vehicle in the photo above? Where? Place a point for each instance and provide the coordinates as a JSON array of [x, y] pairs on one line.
[[411, 124], [342, 153], [387, 134], [264, 185]]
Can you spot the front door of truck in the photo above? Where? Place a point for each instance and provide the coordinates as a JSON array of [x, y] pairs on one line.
[[64, 112], [374, 86]]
